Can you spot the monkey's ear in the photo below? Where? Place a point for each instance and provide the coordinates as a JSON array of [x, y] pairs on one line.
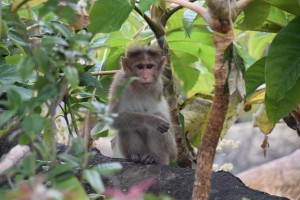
[[162, 61], [124, 62]]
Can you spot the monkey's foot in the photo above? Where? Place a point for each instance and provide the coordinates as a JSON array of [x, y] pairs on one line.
[[146, 159]]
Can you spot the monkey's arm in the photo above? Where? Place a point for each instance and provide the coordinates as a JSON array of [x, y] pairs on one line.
[[127, 120]]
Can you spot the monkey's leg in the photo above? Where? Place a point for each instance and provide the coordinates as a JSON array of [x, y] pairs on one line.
[[133, 146], [130, 120]]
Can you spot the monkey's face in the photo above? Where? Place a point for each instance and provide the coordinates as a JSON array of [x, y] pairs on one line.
[[147, 72], [146, 69]]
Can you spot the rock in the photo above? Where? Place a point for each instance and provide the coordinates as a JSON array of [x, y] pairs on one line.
[[278, 177], [282, 140]]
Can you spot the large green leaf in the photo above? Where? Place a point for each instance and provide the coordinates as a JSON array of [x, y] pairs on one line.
[[251, 21], [283, 72], [291, 6], [278, 17], [108, 16], [182, 64], [255, 75]]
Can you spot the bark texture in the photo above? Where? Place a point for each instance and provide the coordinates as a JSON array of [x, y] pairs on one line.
[[218, 111]]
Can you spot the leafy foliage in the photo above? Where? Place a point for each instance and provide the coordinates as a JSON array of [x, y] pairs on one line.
[[45, 64]]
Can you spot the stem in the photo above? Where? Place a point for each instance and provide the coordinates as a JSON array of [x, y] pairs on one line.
[[87, 136], [72, 117], [52, 111], [0, 18]]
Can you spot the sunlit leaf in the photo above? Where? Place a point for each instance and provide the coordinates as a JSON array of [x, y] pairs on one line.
[[251, 21], [291, 6], [107, 16], [261, 121]]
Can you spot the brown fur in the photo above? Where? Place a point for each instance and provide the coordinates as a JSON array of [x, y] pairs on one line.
[[144, 131]]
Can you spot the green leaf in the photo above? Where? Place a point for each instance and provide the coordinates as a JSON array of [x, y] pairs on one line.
[[188, 18], [62, 29], [33, 125], [15, 100], [144, 5], [72, 160], [73, 187], [71, 74], [108, 16], [182, 65], [283, 72], [88, 80], [8, 74], [78, 145], [108, 169], [61, 172], [252, 21], [94, 179], [291, 6], [25, 67], [29, 165], [6, 116], [255, 76], [278, 17], [17, 32], [23, 92], [99, 130]]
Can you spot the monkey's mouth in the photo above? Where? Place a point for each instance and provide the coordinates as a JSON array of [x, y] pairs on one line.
[[146, 85]]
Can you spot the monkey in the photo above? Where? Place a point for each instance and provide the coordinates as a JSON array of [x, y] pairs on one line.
[[144, 132]]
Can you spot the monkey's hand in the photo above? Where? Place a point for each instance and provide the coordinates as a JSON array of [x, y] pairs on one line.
[[163, 126]]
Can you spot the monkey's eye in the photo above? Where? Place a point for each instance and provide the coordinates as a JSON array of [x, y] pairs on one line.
[[150, 66], [140, 66]]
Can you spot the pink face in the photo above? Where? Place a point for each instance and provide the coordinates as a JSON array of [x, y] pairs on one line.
[[145, 68]]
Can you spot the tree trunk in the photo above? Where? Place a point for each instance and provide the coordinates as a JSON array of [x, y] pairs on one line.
[[218, 111]]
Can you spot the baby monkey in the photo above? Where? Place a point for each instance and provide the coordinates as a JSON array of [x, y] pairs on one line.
[[143, 126]]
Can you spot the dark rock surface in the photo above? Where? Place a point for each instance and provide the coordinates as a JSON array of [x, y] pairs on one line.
[[177, 182]]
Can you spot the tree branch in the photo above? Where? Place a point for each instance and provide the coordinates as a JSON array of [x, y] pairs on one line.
[[201, 11], [156, 28], [110, 72]]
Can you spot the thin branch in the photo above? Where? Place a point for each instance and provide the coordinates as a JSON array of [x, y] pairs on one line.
[[156, 28], [74, 123], [111, 72], [201, 11]]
